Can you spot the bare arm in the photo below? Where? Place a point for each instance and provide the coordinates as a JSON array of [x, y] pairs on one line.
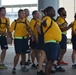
[[66, 28], [74, 32]]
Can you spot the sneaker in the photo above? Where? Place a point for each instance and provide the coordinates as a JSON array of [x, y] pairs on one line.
[[40, 73], [63, 63], [14, 71], [34, 66], [59, 69], [24, 69], [74, 66], [26, 63], [43, 64], [2, 66], [29, 61], [53, 70]]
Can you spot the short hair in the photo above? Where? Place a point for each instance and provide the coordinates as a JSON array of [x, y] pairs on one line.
[[60, 10], [34, 12], [25, 9], [20, 11], [48, 8], [2, 8], [45, 10]]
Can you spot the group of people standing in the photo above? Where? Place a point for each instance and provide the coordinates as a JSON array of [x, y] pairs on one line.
[[48, 41]]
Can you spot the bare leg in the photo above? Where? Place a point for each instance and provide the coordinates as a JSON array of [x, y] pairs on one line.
[[23, 57], [16, 59], [73, 56], [3, 54], [33, 55], [62, 52], [41, 60], [48, 67], [37, 55]]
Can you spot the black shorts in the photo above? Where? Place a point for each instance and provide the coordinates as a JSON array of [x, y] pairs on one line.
[[58, 54], [40, 42], [34, 44], [3, 42], [21, 45], [51, 51], [63, 43], [73, 40]]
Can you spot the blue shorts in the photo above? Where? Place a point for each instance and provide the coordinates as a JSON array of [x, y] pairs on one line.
[[28, 51], [21, 46], [51, 50], [3, 42], [63, 43], [58, 55], [40, 42], [34, 45], [73, 40]]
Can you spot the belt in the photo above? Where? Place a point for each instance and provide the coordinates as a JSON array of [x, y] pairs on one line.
[[20, 37], [64, 33], [54, 41]]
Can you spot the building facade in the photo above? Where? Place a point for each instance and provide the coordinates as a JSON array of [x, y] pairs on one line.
[[69, 5]]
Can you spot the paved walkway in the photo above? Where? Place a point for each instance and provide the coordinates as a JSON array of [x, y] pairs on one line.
[[9, 63]]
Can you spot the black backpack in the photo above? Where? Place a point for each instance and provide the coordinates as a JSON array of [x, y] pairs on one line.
[[41, 36], [21, 22], [35, 21], [6, 24]]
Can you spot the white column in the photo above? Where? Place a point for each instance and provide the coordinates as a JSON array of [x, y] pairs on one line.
[[0, 3], [44, 3]]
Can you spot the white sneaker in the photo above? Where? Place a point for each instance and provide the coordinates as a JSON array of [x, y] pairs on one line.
[[23, 68]]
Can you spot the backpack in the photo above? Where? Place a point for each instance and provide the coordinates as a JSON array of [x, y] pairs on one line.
[[35, 21], [41, 36], [21, 22], [59, 24], [6, 23]]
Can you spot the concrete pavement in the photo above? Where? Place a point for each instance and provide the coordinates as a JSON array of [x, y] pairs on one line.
[[9, 63]]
